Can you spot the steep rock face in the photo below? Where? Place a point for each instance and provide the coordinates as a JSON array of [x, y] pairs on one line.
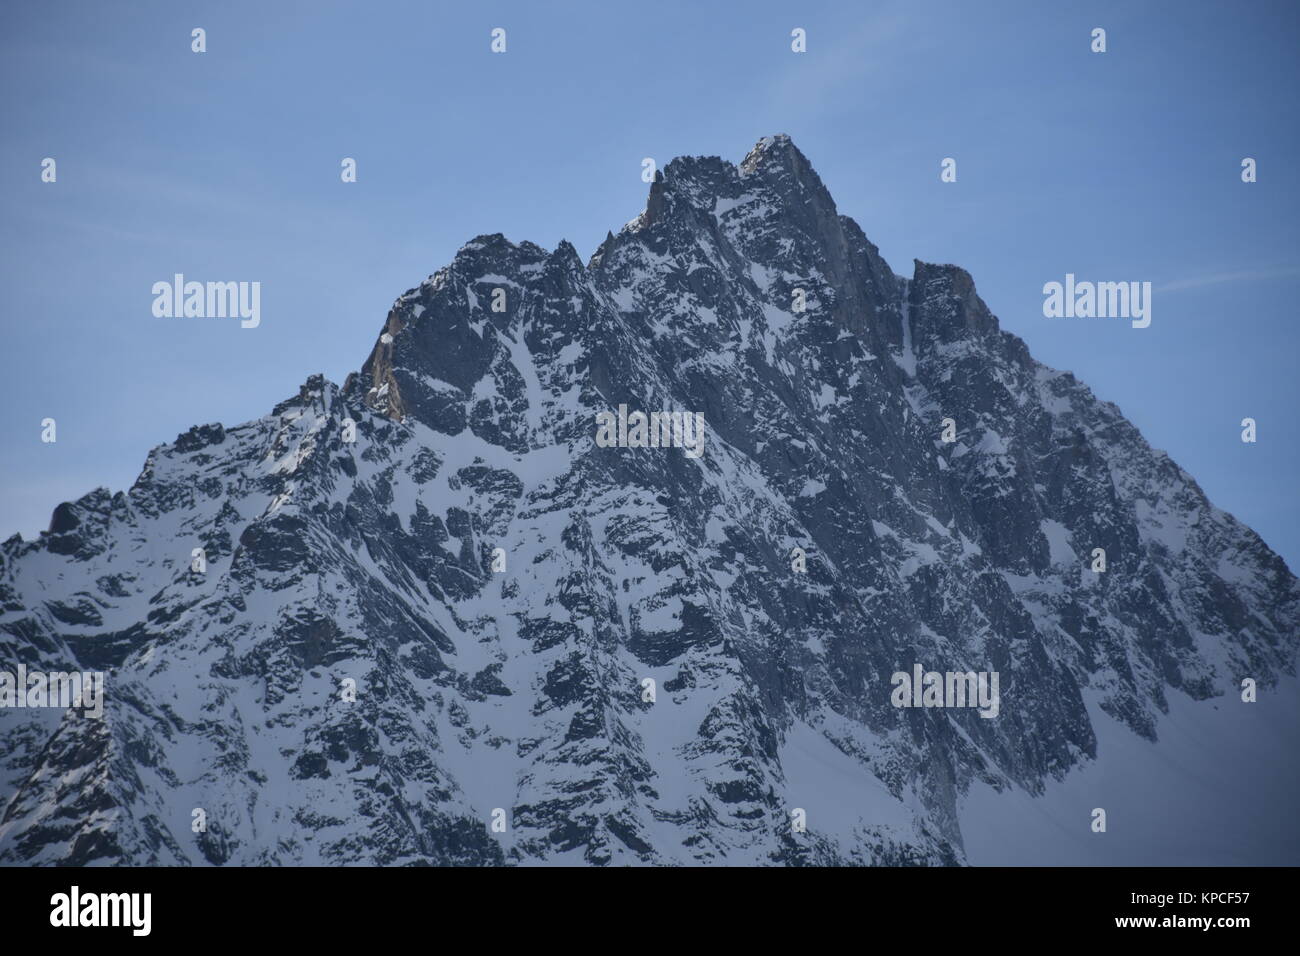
[[522, 690]]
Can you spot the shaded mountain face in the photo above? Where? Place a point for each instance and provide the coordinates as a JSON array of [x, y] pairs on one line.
[[510, 686]]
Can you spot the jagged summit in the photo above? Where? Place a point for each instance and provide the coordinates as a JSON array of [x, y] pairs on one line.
[[445, 531], [779, 158], [702, 179]]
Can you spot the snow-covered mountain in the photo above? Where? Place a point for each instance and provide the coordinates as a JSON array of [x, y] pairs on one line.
[[523, 689]]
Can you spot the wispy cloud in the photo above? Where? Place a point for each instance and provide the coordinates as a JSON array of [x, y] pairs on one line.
[[845, 61], [1220, 278]]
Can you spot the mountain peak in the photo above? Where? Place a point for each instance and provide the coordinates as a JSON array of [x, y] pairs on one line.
[[780, 156], [775, 148], [450, 532]]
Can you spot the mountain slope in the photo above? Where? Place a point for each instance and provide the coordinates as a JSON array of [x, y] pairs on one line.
[[522, 689]]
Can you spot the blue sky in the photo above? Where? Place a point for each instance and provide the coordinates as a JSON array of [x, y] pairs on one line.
[[225, 165]]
